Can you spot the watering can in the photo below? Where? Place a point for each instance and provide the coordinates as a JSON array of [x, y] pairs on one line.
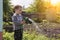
[[26, 18]]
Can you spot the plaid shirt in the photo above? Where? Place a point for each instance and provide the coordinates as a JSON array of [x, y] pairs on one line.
[[17, 19]]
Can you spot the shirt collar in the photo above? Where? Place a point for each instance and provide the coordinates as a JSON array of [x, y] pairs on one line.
[[16, 14]]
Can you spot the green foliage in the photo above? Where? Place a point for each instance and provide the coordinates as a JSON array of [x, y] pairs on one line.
[[8, 36], [7, 23], [58, 19], [27, 36], [6, 10], [37, 6], [6, 6]]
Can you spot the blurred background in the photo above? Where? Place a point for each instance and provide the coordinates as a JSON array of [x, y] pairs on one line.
[[45, 13]]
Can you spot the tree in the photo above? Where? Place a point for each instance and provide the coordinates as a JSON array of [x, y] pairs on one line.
[[6, 10], [38, 7]]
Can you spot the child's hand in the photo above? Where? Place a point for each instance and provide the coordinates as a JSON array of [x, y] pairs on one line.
[[22, 22]]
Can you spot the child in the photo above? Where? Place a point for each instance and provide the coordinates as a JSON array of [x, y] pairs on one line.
[[17, 19]]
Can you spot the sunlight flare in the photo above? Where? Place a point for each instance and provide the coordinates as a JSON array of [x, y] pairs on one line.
[[54, 2]]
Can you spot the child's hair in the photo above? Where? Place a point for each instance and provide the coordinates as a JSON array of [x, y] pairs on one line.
[[16, 7]]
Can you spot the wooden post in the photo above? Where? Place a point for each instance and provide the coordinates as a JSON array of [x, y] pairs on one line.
[[1, 36]]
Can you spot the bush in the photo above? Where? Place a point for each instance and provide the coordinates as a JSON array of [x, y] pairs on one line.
[[27, 36], [8, 36]]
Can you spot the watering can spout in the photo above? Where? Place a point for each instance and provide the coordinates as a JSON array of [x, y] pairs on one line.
[[28, 21]]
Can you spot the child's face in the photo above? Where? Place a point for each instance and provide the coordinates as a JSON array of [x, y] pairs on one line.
[[18, 11]]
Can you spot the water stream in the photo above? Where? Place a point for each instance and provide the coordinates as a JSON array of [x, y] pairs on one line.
[[35, 25]]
